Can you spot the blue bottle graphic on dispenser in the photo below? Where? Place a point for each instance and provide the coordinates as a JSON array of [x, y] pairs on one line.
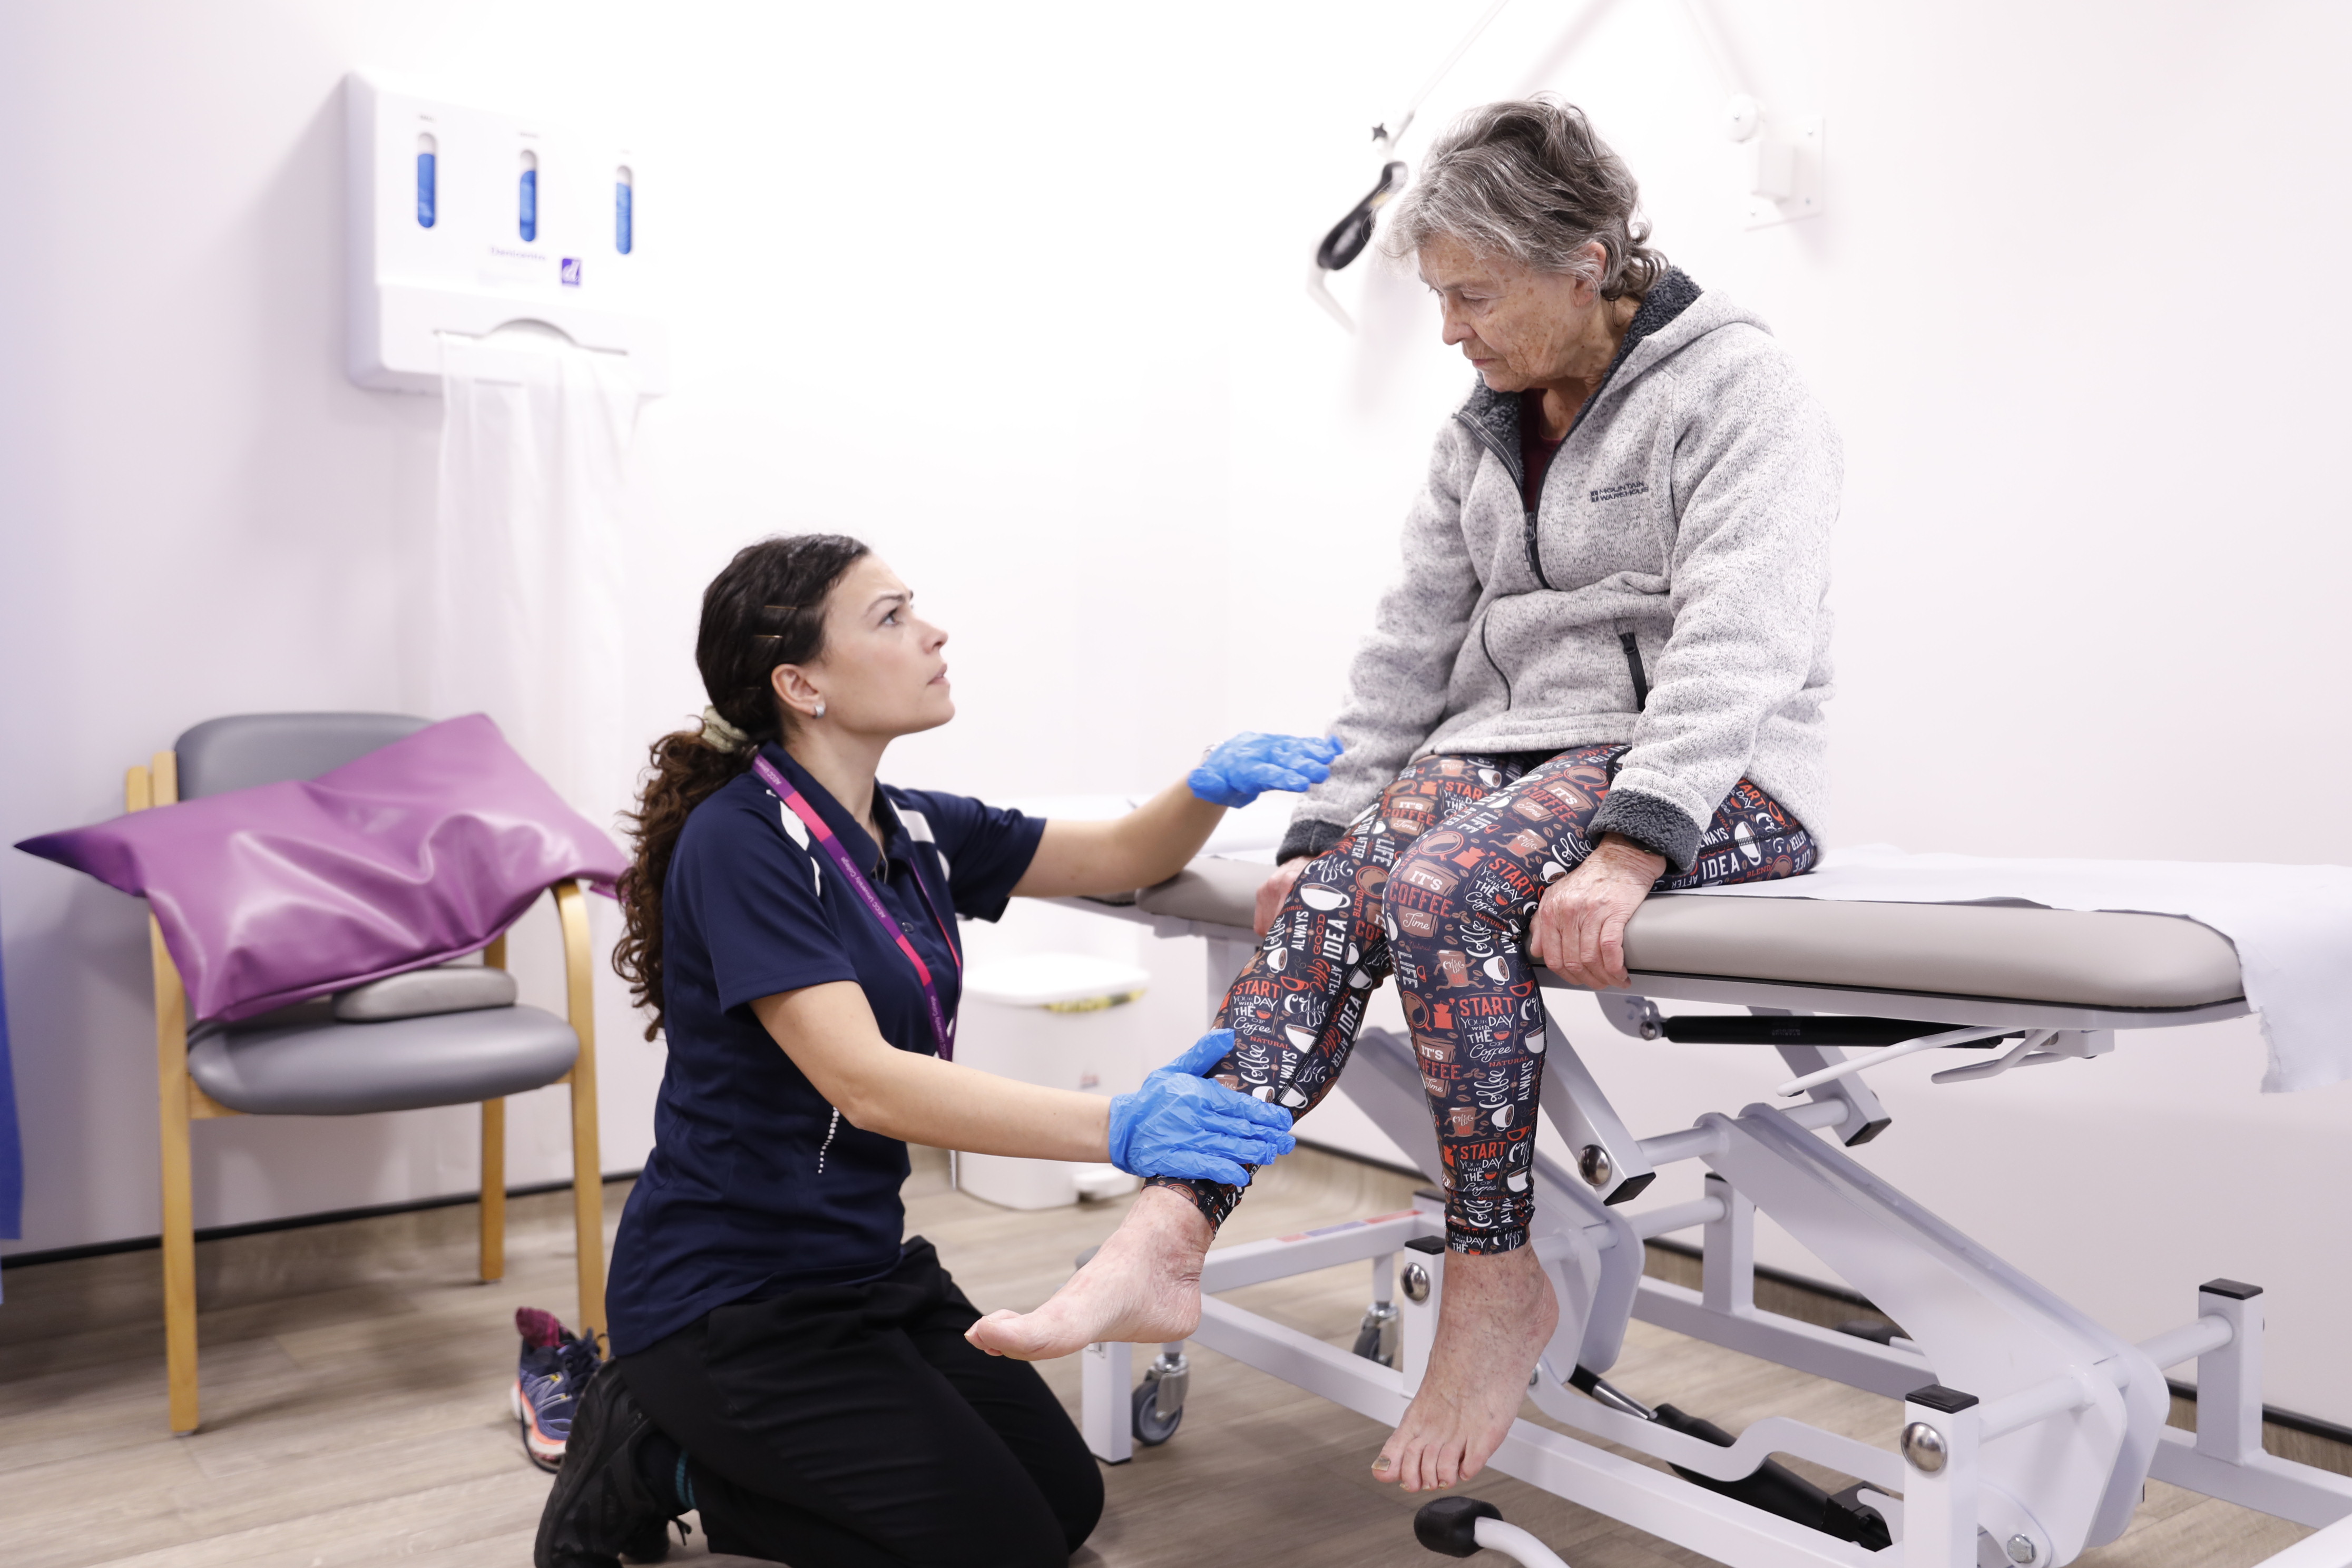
[[624, 228], [527, 207], [427, 192]]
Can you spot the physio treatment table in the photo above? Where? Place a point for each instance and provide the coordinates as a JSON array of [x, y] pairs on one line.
[[2028, 1430]]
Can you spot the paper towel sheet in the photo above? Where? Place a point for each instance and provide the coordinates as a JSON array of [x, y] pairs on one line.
[[527, 604], [2292, 925]]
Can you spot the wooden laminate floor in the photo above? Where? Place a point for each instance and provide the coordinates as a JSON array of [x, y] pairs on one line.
[[354, 1380]]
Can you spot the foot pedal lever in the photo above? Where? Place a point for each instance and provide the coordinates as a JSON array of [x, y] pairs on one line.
[[1776, 1488], [1773, 1486]]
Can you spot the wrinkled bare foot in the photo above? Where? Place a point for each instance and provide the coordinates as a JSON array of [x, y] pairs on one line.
[[1143, 1287], [1496, 1317]]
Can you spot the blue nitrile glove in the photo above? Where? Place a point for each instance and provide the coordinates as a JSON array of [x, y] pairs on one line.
[[1238, 771], [1181, 1124]]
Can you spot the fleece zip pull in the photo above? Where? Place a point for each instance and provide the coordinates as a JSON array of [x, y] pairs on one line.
[[1633, 663]]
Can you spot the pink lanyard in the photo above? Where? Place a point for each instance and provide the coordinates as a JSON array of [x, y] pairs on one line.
[[943, 1026]]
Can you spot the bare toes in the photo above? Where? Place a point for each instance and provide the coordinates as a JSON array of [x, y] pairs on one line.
[[1409, 1468]]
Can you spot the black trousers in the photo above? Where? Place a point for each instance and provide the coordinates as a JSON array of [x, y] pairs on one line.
[[852, 1426]]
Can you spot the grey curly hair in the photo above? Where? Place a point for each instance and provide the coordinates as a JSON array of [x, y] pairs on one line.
[[1530, 179]]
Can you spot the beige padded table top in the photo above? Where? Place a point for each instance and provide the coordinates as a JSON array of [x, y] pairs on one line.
[[2006, 952]]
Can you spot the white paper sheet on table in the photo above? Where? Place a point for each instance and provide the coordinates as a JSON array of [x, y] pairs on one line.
[[2292, 925]]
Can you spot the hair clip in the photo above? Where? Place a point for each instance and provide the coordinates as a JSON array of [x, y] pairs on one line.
[[718, 734]]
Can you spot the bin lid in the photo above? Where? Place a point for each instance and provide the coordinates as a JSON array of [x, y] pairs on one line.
[[1051, 979]]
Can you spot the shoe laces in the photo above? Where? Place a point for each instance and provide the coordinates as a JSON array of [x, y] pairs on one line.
[[579, 1362]]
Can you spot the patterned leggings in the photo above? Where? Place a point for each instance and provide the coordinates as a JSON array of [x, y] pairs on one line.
[[1437, 883]]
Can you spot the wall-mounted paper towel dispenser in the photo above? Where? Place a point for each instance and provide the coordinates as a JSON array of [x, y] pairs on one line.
[[464, 221]]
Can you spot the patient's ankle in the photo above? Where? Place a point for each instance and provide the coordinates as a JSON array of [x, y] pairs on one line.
[[1171, 1212]]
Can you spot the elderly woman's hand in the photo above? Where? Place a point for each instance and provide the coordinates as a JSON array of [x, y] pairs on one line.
[[1273, 890], [1580, 925]]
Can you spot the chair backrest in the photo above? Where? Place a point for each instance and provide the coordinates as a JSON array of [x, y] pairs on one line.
[[248, 749]]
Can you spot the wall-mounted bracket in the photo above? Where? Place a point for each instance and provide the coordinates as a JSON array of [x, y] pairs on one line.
[[1781, 160]]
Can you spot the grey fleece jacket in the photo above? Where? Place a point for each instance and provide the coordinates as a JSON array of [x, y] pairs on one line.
[[1681, 541]]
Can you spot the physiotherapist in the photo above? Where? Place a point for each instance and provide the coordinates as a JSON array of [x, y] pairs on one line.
[[784, 1359]]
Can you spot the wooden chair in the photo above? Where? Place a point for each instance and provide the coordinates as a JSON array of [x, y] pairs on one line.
[[504, 1050]]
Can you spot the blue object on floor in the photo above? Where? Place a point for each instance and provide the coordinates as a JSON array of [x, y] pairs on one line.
[[12, 1154]]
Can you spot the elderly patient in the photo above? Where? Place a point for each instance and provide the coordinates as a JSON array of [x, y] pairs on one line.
[[1601, 674]]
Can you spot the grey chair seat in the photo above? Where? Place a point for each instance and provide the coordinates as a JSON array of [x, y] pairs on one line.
[[1996, 952], [314, 1066]]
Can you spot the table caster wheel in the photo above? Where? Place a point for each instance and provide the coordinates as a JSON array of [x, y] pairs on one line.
[[1151, 1428]]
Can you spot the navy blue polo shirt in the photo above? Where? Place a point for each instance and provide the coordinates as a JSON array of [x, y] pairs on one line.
[[755, 1186]]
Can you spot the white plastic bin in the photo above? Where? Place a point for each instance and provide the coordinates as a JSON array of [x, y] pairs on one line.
[[1060, 1020]]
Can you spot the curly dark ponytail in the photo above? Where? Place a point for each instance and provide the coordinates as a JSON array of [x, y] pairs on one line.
[[765, 609]]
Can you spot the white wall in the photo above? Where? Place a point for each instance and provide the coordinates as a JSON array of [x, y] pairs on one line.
[[1015, 293], [889, 319]]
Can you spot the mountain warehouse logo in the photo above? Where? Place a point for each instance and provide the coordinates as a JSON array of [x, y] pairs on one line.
[[1618, 492]]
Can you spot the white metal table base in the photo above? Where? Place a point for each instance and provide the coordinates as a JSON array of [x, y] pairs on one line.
[[1951, 1492], [1675, 1509]]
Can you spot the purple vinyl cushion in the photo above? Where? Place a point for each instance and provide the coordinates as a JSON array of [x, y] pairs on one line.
[[416, 853]]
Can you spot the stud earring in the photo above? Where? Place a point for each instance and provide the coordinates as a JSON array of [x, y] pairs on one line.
[[820, 708]]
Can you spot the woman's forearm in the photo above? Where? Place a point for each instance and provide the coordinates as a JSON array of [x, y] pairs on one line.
[[1148, 845], [922, 1100], [1159, 836], [829, 1033]]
